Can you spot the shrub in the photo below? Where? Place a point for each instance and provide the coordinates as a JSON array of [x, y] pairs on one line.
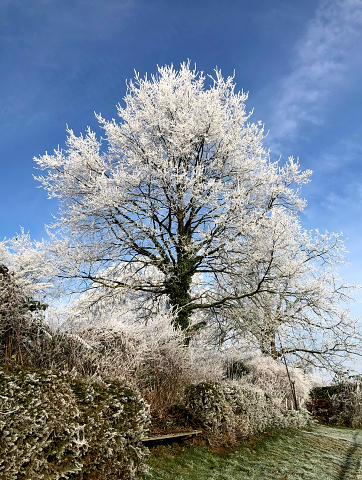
[[236, 369], [346, 400], [270, 376], [23, 333], [151, 357], [297, 418], [236, 412], [321, 408], [14, 318], [54, 426], [115, 420], [339, 404], [38, 426]]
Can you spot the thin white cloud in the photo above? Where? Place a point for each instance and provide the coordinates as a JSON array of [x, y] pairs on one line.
[[345, 154], [329, 49]]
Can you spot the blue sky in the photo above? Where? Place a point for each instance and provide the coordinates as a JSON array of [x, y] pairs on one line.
[[301, 62]]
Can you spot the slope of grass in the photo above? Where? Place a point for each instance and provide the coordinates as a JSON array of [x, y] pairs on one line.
[[324, 454]]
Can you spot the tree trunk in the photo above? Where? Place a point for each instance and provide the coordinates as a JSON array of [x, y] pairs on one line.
[[178, 290], [268, 346]]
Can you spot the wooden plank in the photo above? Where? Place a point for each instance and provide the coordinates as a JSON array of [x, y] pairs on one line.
[[171, 436]]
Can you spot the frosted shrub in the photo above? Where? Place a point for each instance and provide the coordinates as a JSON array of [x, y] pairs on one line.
[[15, 318], [113, 419], [271, 376], [346, 401], [235, 412], [54, 426], [297, 418], [232, 411], [151, 357], [38, 426], [24, 337]]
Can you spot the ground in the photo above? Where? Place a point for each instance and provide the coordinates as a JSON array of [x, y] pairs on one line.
[[321, 453]]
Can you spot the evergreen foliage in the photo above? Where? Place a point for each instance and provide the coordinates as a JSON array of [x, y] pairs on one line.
[[339, 404], [54, 426]]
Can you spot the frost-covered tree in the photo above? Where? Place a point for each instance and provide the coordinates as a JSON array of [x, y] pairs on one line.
[[304, 316], [28, 265], [180, 185], [25, 279], [19, 314]]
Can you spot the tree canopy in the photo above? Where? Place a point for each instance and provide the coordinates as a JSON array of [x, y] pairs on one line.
[[179, 205], [182, 186]]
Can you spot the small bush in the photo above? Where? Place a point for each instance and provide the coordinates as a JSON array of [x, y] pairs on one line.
[[16, 318], [236, 369], [151, 357], [236, 412], [54, 426]]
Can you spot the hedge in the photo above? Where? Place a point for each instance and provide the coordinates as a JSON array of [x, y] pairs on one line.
[[339, 404], [233, 412], [55, 426]]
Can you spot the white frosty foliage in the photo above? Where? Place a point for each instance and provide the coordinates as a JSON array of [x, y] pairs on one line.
[[230, 412], [28, 263], [57, 426], [304, 312], [179, 207], [182, 186], [272, 377]]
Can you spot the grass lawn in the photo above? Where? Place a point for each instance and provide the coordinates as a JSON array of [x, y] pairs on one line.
[[324, 453]]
